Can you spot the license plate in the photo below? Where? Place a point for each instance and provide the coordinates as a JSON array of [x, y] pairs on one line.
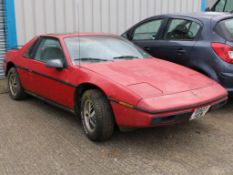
[[200, 112]]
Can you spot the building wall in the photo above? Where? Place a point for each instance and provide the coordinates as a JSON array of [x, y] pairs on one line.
[[2, 37], [35, 17], [210, 3]]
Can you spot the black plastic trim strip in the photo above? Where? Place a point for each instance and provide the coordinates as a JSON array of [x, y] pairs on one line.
[[213, 102], [217, 100], [171, 118], [46, 76], [50, 101]]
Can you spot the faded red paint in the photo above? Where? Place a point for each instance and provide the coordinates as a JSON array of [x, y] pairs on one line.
[[150, 84]]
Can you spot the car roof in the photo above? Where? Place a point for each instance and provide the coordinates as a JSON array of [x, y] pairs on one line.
[[203, 16], [65, 35]]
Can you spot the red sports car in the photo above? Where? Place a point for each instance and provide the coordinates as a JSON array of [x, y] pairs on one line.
[[109, 82]]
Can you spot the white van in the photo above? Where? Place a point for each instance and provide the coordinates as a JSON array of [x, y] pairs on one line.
[[222, 6]]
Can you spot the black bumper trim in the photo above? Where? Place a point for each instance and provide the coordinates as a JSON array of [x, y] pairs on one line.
[[170, 119], [46, 76], [210, 102]]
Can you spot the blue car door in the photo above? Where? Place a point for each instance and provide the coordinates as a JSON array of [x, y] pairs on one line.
[[167, 38], [178, 39], [147, 35]]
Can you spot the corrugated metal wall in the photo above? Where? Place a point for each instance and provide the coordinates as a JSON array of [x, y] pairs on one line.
[[115, 16], [2, 38]]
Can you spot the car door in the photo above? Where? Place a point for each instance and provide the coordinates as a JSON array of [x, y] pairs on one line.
[[22, 62], [179, 37], [147, 35], [50, 83]]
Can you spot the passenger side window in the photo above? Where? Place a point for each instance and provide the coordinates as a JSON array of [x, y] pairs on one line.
[[181, 29], [49, 49], [29, 53], [229, 6], [219, 7], [147, 31]]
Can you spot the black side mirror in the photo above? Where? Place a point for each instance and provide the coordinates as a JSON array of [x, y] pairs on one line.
[[127, 35], [55, 63]]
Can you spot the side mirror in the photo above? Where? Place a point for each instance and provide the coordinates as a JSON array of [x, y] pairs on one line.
[[55, 63], [126, 35]]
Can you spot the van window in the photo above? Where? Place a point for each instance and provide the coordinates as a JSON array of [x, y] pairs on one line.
[[219, 7], [229, 6], [223, 6]]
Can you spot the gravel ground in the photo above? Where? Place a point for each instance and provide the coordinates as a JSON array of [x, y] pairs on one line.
[[37, 138]]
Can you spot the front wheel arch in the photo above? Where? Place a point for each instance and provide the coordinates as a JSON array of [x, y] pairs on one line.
[[97, 115], [80, 91]]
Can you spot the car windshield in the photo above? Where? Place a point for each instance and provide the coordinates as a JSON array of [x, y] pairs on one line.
[[93, 49], [225, 29]]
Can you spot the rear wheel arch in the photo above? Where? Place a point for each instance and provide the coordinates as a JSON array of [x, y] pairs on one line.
[[9, 66], [15, 88]]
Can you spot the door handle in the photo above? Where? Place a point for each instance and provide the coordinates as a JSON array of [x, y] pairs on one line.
[[181, 51], [148, 49]]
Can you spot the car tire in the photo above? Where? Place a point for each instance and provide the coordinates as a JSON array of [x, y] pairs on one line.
[[97, 116], [15, 89]]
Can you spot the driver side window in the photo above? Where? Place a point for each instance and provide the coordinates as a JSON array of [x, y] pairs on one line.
[[49, 49], [147, 31]]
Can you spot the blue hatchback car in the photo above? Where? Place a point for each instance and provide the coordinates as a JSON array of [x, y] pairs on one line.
[[201, 41]]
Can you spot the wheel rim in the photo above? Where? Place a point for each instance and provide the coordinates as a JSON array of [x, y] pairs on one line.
[[89, 115], [13, 84]]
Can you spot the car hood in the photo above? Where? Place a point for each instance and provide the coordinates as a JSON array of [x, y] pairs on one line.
[[150, 77]]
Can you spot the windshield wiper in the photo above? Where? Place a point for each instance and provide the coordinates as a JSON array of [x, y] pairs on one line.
[[90, 59], [125, 57]]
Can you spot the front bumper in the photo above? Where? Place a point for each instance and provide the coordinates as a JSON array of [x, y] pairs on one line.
[[133, 118]]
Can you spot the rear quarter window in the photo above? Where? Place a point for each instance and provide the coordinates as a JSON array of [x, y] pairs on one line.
[[225, 29]]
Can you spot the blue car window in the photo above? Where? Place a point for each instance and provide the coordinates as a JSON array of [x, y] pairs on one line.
[[147, 31], [225, 29], [181, 29], [194, 29]]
